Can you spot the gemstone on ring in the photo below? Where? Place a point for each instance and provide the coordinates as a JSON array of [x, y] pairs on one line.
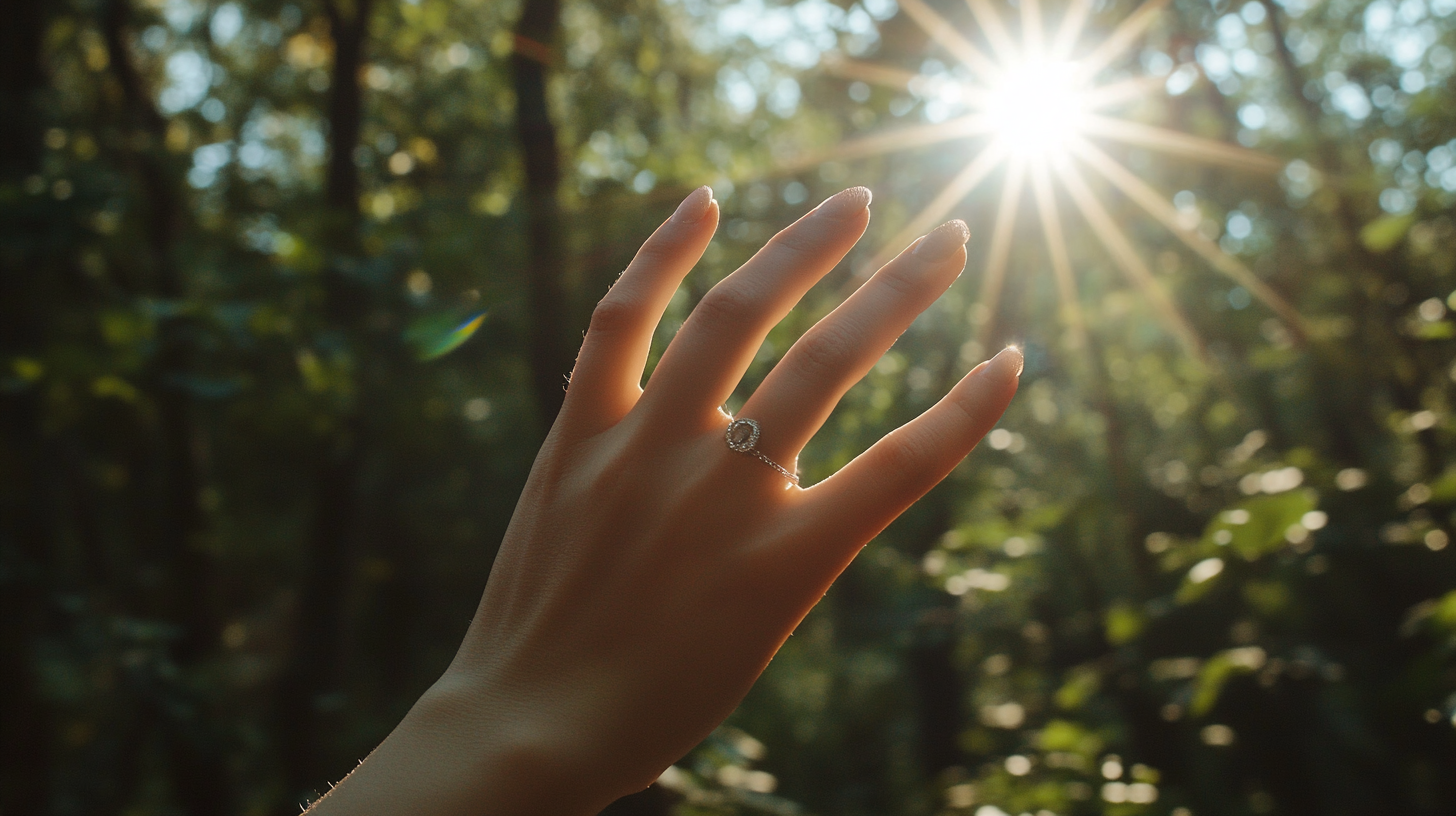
[[742, 435]]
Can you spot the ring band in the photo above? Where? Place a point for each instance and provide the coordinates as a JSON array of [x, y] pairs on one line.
[[742, 436]]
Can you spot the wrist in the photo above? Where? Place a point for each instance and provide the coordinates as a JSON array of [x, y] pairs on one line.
[[459, 751], [513, 755]]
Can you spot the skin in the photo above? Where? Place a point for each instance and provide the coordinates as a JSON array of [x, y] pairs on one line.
[[649, 573]]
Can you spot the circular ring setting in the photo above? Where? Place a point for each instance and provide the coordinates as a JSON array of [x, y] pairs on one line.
[[742, 437]]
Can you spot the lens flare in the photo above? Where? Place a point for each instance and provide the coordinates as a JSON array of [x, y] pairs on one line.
[[432, 343]]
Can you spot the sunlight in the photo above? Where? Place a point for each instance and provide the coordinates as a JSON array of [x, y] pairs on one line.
[[1037, 106], [1044, 101]]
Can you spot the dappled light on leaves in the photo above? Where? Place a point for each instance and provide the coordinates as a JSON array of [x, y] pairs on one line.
[[252, 407]]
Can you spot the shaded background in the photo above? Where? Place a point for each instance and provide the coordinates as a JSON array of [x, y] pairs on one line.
[[243, 524]]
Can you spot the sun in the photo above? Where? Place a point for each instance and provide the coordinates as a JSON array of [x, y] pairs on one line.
[[1038, 104]]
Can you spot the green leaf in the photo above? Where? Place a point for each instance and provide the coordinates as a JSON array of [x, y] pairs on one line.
[[1124, 622], [1257, 525], [1444, 615], [1062, 735], [1216, 672], [1382, 234], [1443, 488], [1441, 330], [1082, 682], [1269, 598], [27, 368], [111, 385]]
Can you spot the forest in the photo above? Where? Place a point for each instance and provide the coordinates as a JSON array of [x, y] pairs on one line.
[[289, 290]]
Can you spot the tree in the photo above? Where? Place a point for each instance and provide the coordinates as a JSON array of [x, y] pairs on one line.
[[248, 505]]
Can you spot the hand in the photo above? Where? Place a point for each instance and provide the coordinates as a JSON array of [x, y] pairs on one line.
[[650, 573]]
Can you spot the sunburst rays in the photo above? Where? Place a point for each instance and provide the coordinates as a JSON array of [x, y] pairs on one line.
[[1036, 109]]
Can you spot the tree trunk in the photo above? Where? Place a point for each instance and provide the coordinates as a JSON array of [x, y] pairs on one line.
[[314, 662], [197, 766], [550, 356], [938, 690], [308, 688], [25, 725], [21, 76], [25, 544]]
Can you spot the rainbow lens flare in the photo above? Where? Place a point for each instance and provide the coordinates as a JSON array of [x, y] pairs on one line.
[[433, 343]]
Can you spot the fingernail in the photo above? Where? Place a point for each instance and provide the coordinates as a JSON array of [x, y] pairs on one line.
[[1009, 358], [845, 203], [695, 206], [943, 241]]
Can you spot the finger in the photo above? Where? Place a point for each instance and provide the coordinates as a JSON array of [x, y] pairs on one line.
[[704, 362], [853, 505], [802, 390], [608, 373]]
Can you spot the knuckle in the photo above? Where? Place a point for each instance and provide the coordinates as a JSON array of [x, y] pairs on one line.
[[900, 280], [723, 305], [965, 405], [800, 239], [611, 315], [821, 352], [656, 250], [904, 455]]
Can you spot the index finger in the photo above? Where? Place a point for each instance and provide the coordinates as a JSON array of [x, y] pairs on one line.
[[605, 381]]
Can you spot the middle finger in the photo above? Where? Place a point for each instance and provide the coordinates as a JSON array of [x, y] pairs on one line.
[[704, 363], [798, 395]]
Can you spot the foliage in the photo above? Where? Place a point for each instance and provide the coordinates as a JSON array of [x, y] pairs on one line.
[[1164, 585]]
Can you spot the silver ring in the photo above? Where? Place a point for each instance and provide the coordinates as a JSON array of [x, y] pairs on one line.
[[742, 436]]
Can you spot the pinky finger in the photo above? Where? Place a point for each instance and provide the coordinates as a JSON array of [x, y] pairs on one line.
[[859, 501]]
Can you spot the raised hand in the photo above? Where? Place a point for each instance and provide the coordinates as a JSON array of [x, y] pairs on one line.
[[651, 571]]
